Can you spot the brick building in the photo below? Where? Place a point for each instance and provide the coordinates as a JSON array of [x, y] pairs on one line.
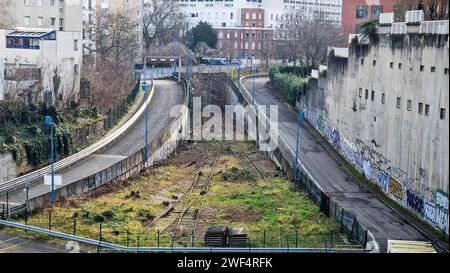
[[357, 12]]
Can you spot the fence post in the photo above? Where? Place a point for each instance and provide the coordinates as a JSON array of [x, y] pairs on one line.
[[128, 237], [138, 237], [365, 239], [158, 238], [296, 238], [264, 239], [7, 205], [74, 226], [331, 239]]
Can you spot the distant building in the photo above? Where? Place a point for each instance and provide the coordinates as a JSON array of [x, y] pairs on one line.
[[62, 15], [40, 65], [246, 28], [357, 12]]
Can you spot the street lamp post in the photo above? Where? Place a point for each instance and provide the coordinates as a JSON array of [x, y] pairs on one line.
[[239, 79], [144, 89], [300, 117], [49, 121]]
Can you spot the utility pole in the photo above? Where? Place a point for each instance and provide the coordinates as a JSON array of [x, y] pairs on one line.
[[49, 121], [300, 117]]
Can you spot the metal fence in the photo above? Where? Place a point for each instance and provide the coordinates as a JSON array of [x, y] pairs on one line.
[[115, 114]]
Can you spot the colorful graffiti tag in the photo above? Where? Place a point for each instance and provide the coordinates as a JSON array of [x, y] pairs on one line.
[[436, 213]]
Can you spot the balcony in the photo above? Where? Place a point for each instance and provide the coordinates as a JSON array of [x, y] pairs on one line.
[[434, 27]]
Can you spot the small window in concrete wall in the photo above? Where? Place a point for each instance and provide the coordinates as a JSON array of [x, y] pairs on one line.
[[427, 109], [445, 71], [399, 65], [383, 98], [409, 105], [421, 68], [433, 69], [374, 62], [75, 45], [399, 102], [360, 92], [373, 95], [391, 64], [420, 108], [442, 113], [362, 61], [367, 94]]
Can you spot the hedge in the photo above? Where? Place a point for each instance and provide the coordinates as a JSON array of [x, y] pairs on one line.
[[288, 85]]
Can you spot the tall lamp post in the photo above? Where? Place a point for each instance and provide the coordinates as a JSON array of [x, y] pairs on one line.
[[301, 116], [144, 89], [239, 79], [253, 88], [49, 121]]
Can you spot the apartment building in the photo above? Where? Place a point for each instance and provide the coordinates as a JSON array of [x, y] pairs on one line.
[[247, 27], [40, 65], [62, 15]]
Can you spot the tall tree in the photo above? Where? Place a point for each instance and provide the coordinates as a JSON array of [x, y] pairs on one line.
[[163, 22], [112, 36], [306, 35], [433, 9], [203, 32]]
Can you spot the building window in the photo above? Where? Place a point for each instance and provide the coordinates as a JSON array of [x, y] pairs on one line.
[[61, 24], [433, 69], [372, 97], [247, 15], [391, 64], [362, 61], [399, 102], [75, 45], [361, 11], [231, 16], [376, 10], [138, 13], [374, 62], [254, 16], [52, 21], [421, 68], [420, 108], [360, 92], [442, 113], [367, 94], [39, 21], [408, 105], [427, 109], [399, 65], [75, 69], [445, 71], [27, 21], [383, 98]]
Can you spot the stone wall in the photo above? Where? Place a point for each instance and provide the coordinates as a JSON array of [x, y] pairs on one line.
[[7, 167], [381, 109]]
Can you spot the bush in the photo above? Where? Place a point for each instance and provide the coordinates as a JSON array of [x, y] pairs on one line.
[[288, 85]]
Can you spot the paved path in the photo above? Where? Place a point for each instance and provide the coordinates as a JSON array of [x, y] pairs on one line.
[[381, 220], [167, 94], [16, 244]]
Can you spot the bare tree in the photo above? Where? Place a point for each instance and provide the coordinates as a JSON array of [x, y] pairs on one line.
[[305, 36], [112, 36], [163, 22], [6, 20]]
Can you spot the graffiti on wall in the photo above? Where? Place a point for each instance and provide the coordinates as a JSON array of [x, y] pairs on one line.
[[414, 201], [396, 190], [383, 181], [379, 169]]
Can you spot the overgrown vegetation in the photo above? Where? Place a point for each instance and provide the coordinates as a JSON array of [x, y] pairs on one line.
[[290, 82]]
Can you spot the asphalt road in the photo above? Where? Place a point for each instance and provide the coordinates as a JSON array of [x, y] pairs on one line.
[[381, 220], [167, 94], [16, 244]]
